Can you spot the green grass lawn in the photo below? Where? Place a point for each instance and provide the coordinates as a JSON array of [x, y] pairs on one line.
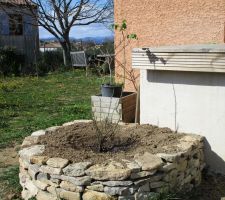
[[30, 103]]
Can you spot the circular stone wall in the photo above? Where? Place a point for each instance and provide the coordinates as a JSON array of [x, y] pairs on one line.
[[144, 177]]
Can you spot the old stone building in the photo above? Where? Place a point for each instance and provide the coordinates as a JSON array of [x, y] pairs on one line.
[[18, 28]]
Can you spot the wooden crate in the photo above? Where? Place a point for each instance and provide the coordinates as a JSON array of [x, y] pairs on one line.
[[116, 109]]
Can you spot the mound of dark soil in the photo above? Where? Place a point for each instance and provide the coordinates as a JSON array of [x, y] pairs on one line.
[[79, 142]]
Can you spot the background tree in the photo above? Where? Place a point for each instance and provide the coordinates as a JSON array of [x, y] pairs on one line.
[[58, 17]]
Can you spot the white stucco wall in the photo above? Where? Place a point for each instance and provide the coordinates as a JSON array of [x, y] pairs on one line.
[[191, 102]]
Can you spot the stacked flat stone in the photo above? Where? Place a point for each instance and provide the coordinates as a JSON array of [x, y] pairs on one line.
[[144, 177]]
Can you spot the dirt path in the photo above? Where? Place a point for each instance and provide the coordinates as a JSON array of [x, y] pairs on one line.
[[8, 157]]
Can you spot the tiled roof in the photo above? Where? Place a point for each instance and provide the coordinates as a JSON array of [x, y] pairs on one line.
[[51, 45]]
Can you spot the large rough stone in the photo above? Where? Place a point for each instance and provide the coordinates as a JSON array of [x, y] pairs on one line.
[[29, 141], [77, 169], [111, 171], [202, 166], [150, 179], [117, 183], [194, 163], [182, 166], [193, 171], [71, 187], [157, 184], [168, 167], [144, 188], [39, 160], [180, 177], [187, 179], [192, 139], [22, 170], [116, 191], [52, 129], [93, 195], [185, 147], [50, 170], [156, 177], [133, 189], [24, 164], [29, 185], [55, 176], [66, 195], [33, 171], [57, 162], [133, 166], [53, 190], [170, 157], [142, 174], [98, 187], [55, 181], [41, 185], [49, 182], [171, 177], [26, 195], [38, 133], [42, 176], [79, 181], [45, 196], [148, 161], [126, 197], [198, 180], [24, 177], [146, 196], [27, 153]]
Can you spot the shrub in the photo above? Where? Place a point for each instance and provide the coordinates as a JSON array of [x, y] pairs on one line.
[[11, 62], [51, 60]]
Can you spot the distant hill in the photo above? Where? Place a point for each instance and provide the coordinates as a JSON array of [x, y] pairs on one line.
[[97, 40]]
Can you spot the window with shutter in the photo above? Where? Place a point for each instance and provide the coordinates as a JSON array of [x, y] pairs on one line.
[[15, 24]]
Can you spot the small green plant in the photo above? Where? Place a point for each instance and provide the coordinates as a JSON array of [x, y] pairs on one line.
[[125, 40], [105, 132], [121, 47], [105, 125], [49, 61]]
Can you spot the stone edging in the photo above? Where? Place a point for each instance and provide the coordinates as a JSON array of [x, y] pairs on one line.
[[143, 177]]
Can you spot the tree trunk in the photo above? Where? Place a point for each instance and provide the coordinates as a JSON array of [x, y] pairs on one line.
[[66, 51]]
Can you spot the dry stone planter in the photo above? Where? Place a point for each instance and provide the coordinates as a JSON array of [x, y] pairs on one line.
[[141, 178]]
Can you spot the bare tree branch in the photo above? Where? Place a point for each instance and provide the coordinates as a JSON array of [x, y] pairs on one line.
[[59, 16]]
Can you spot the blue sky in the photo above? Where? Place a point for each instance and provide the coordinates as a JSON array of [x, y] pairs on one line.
[[93, 30]]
